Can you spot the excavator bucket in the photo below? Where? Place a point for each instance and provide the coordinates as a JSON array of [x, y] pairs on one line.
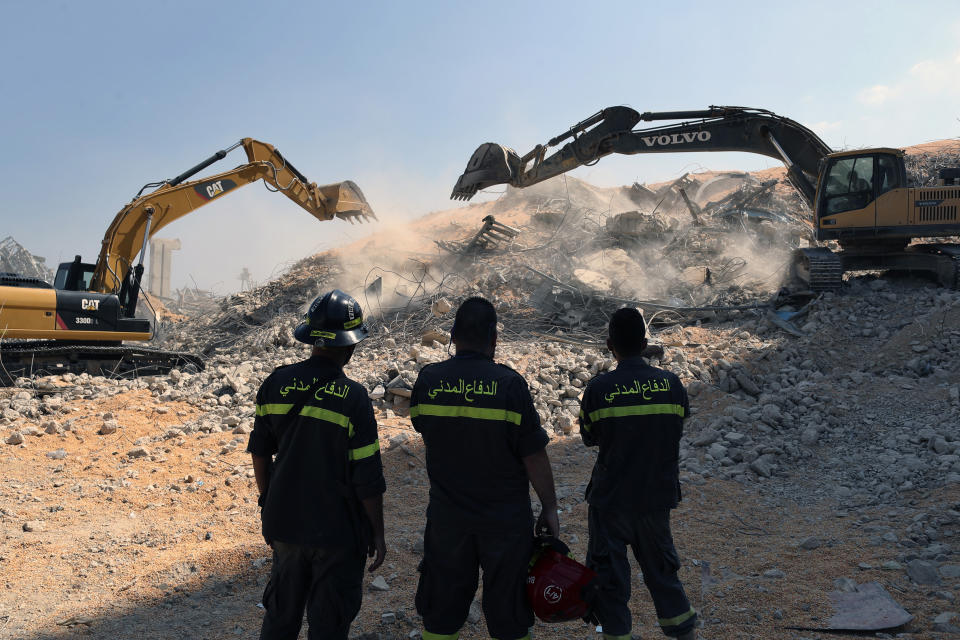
[[491, 164], [345, 200]]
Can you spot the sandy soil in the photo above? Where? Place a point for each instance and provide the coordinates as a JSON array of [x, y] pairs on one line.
[[167, 544]]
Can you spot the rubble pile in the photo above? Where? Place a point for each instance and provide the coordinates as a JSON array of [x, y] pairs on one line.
[[924, 162], [755, 373], [850, 400], [253, 321], [15, 259]]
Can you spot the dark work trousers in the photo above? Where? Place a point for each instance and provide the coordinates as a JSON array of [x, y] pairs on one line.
[[648, 534], [328, 583], [449, 576]]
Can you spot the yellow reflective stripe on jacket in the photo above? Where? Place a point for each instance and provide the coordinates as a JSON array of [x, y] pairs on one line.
[[637, 410], [310, 412], [273, 409], [329, 416], [426, 635], [674, 621], [458, 411], [610, 636], [585, 421], [364, 452]]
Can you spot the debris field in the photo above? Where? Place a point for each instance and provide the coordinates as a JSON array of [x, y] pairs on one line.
[[821, 461]]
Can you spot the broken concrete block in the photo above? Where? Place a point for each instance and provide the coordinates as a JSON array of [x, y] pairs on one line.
[[440, 307]]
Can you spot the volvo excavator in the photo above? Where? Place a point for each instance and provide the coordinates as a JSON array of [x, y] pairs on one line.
[[863, 199], [79, 323]]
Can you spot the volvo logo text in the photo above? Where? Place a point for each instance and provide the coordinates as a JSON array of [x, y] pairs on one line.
[[676, 138]]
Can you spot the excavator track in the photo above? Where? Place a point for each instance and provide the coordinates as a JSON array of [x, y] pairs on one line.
[[38, 358], [819, 268], [951, 251]]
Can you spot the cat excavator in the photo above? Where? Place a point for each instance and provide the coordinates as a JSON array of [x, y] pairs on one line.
[[79, 323], [862, 199]]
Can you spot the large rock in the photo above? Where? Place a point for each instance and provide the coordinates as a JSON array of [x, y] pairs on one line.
[[379, 584], [31, 526], [52, 427], [440, 307], [109, 426], [771, 414], [763, 466], [809, 436], [717, 451], [923, 572], [943, 623], [810, 543], [746, 383], [706, 438]]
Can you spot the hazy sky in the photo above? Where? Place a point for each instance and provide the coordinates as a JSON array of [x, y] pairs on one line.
[[98, 98]]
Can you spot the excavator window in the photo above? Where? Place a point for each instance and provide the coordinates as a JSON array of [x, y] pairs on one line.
[[74, 276], [887, 174], [849, 184]]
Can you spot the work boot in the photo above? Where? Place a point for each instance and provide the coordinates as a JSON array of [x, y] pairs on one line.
[[688, 635]]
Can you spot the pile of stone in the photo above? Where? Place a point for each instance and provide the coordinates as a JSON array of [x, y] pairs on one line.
[[923, 169], [14, 258], [766, 401]]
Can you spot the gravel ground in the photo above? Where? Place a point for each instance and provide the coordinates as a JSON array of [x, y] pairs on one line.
[[128, 508], [823, 452]]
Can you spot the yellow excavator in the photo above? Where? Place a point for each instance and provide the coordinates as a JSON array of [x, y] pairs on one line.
[[79, 323], [863, 199]]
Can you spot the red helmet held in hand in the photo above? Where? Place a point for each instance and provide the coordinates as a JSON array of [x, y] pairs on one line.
[[556, 583]]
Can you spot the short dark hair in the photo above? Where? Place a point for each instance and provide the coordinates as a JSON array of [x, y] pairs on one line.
[[627, 331], [475, 322]]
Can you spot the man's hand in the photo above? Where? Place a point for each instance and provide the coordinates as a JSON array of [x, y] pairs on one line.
[[541, 477], [548, 522], [377, 549]]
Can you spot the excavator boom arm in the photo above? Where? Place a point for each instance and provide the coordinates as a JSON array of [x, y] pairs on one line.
[[147, 214], [611, 131]]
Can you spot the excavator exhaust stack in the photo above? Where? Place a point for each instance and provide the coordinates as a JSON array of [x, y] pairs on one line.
[[491, 164], [344, 200]]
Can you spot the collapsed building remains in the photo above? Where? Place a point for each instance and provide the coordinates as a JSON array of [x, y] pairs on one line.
[[15, 259]]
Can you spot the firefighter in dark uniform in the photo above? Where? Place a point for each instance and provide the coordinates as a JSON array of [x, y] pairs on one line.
[[322, 496], [484, 447], [635, 414]]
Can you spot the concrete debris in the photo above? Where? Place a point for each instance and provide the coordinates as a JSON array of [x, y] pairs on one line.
[[15, 259], [868, 607], [379, 584], [109, 426], [493, 235], [31, 526], [441, 307], [856, 407], [923, 167]]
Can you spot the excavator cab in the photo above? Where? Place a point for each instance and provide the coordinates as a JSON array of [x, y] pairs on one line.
[[855, 188], [74, 276]]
